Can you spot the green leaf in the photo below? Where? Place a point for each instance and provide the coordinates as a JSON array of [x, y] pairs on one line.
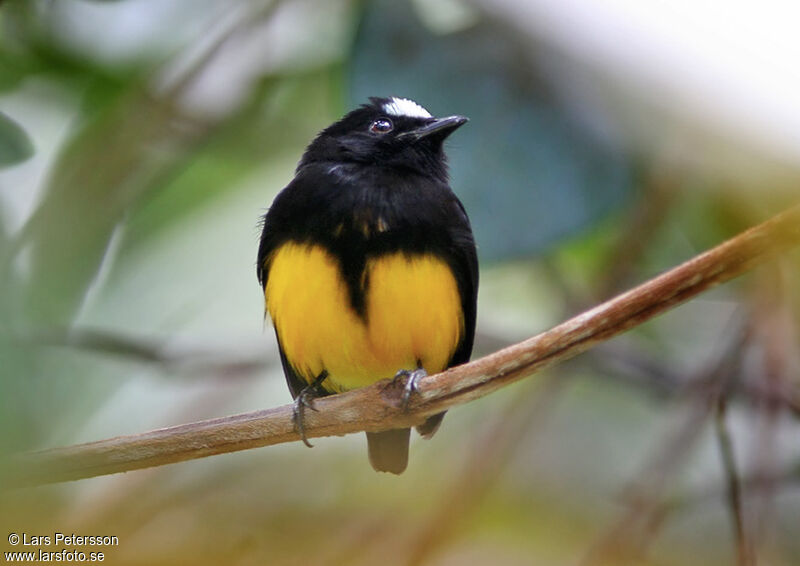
[[273, 124], [103, 169], [15, 145]]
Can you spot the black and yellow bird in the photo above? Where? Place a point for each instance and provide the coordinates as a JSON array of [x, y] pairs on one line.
[[368, 262]]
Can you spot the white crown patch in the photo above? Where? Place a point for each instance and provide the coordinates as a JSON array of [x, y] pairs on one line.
[[405, 107]]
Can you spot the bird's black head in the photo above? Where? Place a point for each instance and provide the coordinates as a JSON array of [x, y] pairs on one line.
[[392, 132]]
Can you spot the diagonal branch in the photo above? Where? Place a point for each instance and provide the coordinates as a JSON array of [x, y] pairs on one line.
[[377, 407]]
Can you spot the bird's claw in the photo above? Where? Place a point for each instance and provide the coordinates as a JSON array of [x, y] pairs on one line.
[[306, 399], [411, 385]]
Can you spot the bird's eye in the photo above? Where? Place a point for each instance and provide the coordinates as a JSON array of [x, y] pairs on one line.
[[381, 126]]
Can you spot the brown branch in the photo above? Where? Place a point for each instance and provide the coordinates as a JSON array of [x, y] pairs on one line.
[[377, 407]]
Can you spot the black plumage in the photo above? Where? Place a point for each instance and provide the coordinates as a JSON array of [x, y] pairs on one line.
[[360, 192]]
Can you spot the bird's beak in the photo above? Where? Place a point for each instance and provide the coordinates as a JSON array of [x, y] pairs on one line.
[[440, 127]]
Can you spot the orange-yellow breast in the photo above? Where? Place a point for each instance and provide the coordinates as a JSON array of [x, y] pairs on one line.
[[413, 313]]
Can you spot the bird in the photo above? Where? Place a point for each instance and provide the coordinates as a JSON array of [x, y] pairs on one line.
[[368, 263]]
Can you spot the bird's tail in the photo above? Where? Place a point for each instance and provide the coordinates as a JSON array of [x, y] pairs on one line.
[[388, 450]]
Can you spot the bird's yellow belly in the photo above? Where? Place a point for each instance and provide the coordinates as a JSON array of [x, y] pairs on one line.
[[413, 315]]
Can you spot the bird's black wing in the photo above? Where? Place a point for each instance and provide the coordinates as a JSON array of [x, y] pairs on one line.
[[278, 226], [462, 258], [463, 261], [293, 380]]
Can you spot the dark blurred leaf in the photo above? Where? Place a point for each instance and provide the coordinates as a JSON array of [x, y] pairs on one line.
[[121, 140], [280, 116], [528, 172], [4, 264], [15, 145], [102, 171]]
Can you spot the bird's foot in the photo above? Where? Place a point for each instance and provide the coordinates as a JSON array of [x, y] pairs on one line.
[[306, 399], [411, 385]]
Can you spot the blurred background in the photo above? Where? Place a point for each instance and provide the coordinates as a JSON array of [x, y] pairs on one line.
[[141, 141]]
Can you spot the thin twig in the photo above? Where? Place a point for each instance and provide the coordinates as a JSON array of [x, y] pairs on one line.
[[195, 359], [744, 557], [787, 478], [775, 329], [493, 450], [631, 534], [251, 17], [377, 407]]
